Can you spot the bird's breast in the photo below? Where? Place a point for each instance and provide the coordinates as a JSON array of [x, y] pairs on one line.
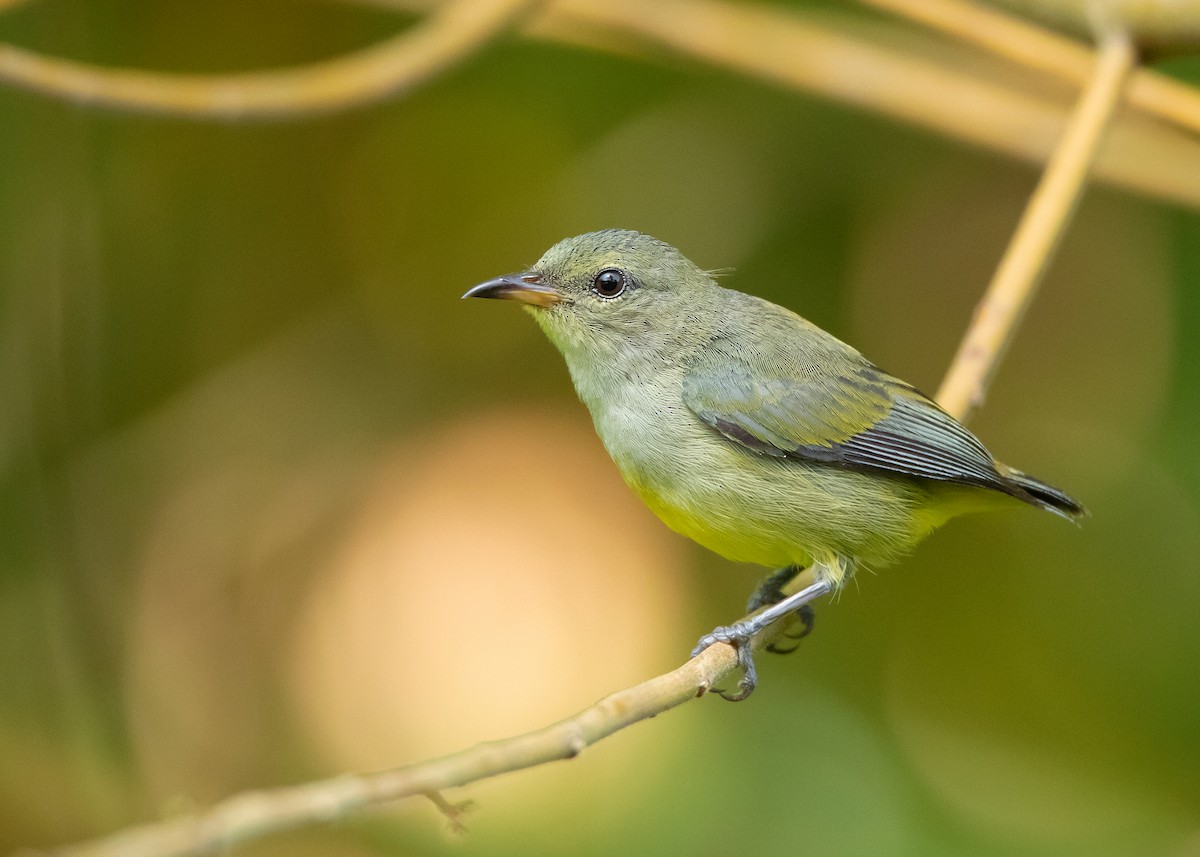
[[646, 426]]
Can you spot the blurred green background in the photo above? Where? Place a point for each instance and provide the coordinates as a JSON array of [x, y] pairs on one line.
[[274, 504]]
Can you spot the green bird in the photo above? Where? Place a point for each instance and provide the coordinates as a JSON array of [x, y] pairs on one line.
[[750, 430]]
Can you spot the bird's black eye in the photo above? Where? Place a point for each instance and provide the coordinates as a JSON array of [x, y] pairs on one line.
[[609, 283]]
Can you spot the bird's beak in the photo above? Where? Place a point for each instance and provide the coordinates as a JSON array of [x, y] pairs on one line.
[[527, 288]]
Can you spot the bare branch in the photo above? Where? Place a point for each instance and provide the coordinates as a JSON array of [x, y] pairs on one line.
[[252, 815], [1041, 227], [449, 35]]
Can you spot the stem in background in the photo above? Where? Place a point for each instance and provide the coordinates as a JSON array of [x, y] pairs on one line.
[[1038, 234], [780, 45], [807, 53], [1035, 47], [441, 41]]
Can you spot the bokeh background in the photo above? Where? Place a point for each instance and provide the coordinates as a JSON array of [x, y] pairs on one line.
[[275, 504]]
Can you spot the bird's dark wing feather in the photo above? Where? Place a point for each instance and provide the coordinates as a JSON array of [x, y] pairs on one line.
[[823, 402]]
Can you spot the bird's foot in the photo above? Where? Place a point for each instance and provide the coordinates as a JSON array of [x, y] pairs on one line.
[[739, 636]]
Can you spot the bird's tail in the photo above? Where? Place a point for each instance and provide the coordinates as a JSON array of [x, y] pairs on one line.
[[1042, 495]]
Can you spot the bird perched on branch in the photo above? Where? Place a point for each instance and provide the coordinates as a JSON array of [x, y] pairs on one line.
[[751, 430]]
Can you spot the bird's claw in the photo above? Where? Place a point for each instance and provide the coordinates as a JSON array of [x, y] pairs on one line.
[[806, 617], [776, 649], [739, 638]]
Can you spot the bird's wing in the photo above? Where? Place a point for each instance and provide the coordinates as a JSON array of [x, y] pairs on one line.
[[791, 403]]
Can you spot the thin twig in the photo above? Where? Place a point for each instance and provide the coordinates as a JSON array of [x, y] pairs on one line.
[[1036, 47], [444, 39], [1038, 233], [252, 815], [452, 812]]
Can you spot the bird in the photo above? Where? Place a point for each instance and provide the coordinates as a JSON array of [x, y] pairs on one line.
[[749, 429]]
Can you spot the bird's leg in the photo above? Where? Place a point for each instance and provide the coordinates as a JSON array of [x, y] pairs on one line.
[[770, 591], [739, 634]]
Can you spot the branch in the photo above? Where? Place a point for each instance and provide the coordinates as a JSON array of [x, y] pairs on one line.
[[252, 815], [446, 37], [1038, 234]]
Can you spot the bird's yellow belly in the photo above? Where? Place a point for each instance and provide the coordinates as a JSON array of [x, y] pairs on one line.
[[766, 512], [735, 540]]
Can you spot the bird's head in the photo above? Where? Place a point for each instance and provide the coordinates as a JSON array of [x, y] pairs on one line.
[[614, 294]]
